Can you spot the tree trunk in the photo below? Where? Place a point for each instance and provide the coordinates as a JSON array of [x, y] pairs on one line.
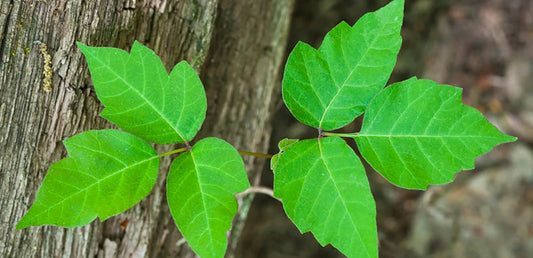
[[236, 46]]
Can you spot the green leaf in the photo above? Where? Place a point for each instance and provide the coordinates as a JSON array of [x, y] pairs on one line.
[[324, 189], [108, 172], [141, 98], [329, 87], [417, 133], [201, 186]]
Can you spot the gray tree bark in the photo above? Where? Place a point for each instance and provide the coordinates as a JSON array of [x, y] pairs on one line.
[[237, 47]]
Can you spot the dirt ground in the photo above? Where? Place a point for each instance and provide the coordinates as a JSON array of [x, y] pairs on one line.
[[484, 47]]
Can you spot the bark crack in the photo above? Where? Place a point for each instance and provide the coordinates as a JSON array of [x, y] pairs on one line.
[[151, 28], [3, 36]]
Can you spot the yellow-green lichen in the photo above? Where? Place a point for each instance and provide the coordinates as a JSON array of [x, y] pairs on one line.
[[47, 81]]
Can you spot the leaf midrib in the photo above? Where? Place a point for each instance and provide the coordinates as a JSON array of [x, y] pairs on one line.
[[423, 136], [196, 169], [141, 95], [339, 193], [343, 85]]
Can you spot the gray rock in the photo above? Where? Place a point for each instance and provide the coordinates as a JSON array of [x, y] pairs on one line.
[[489, 215]]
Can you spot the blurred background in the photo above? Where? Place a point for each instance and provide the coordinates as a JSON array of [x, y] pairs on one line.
[[484, 47]]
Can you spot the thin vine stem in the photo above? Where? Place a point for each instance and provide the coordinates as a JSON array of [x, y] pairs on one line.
[[173, 152], [256, 154], [349, 135], [259, 189]]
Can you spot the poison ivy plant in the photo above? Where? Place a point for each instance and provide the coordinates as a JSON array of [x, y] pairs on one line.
[[109, 171], [415, 133]]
